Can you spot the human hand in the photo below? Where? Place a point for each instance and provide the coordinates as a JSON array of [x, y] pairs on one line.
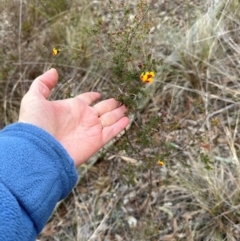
[[81, 129]]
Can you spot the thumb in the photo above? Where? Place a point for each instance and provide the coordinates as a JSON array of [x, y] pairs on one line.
[[44, 83]]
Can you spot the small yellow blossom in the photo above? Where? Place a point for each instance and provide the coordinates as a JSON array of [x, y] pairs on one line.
[[160, 163], [55, 51], [214, 122], [147, 77]]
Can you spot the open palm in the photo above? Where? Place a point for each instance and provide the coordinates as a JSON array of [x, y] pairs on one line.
[[73, 122]]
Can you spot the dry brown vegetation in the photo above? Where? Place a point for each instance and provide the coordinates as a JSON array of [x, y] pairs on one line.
[[196, 194]]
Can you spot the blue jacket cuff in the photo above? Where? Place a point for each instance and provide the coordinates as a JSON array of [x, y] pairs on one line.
[[36, 169]]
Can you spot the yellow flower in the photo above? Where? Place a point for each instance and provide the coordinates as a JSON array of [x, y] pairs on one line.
[[160, 163], [147, 77], [214, 122], [55, 51]]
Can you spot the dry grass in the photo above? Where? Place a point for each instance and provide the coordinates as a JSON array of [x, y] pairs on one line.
[[195, 196]]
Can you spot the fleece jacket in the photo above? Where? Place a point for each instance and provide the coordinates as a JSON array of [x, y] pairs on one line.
[[35, 173]]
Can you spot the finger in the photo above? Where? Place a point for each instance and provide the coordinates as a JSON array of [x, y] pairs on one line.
[[106, 106], [44, 83], [113, 116], [89, 97], [113, 130]]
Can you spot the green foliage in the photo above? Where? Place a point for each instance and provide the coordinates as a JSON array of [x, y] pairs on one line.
[[206, 161]]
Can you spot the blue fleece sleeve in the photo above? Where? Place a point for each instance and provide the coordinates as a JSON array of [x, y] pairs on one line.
[[35, 173]]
